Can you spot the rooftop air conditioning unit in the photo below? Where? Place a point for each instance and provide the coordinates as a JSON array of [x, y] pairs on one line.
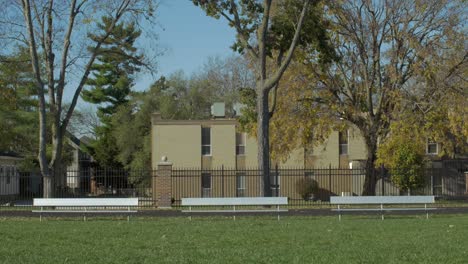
[[218, 110]]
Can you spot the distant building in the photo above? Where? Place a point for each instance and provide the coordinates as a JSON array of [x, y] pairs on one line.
[[9, 174], [77, 171]]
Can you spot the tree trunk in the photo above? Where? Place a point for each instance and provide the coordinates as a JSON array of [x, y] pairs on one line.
[[47, 183], [371, 177], [263, 139], [56, 160]]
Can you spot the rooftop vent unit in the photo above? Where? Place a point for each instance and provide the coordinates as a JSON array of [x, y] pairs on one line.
[[218, 110]]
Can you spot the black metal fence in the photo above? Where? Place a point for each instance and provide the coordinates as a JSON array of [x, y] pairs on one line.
[[303, 187], [18, 188], [310, 187]]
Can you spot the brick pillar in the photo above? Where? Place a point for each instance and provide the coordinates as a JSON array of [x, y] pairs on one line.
[[162, 185]]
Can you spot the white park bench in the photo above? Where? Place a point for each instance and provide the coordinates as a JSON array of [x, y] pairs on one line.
[[382, 201], [235, 205], [85, 206]]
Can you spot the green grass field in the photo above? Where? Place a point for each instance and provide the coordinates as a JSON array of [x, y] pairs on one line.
[[405, 239]]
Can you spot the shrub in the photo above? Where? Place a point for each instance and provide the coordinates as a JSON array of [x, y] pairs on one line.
[[305, 187], [408, 170]]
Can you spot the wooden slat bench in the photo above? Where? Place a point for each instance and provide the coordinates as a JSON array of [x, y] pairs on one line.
[[381, 201], [86, 206], [234, 204]]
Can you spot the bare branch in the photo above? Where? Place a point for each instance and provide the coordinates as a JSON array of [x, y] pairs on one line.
[[261, 38], [65, 50], [272, 80]]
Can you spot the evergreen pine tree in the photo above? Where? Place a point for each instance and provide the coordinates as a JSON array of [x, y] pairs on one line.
[[110, 84]]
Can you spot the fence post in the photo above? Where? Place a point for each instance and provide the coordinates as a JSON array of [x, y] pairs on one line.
[[162, 184], [222, 181], [329, 178], [432, 179], [466, 182], [277, 183], [382, 176]]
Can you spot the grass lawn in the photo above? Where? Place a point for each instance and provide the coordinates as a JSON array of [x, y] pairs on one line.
[[398, 239]]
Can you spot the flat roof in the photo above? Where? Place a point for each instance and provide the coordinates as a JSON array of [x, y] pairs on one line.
[[156, 120]]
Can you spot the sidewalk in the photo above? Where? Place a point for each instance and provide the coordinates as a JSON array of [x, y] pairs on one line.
[[291, 212]]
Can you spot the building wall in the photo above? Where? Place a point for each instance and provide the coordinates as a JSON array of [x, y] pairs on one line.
[[295, 159], [223, 146], [251, 152], [325, 154], [181, 144], [356, 145], [328, 153]]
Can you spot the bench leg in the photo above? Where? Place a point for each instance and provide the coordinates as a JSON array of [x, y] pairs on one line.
[[381, 211], [234, 215], [277, 209], [339, 213], [427, 213]]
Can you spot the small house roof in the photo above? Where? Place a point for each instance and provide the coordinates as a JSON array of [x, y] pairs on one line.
[[10, 155]]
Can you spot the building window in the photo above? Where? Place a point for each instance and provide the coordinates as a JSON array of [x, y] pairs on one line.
[[240, 143], [206, 141], [206, 184], [432, 147], [343, 141], [240, 184], [275, 183]]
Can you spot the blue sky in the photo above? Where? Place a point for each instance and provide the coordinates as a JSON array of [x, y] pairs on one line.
[[188, 37]]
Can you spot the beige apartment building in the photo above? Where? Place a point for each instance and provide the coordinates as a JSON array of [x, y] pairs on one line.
[[211, 144]]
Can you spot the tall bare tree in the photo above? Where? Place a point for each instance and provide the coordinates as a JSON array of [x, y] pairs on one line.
[[223, 79], [253, 22], [385, 47], [55, 33]]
